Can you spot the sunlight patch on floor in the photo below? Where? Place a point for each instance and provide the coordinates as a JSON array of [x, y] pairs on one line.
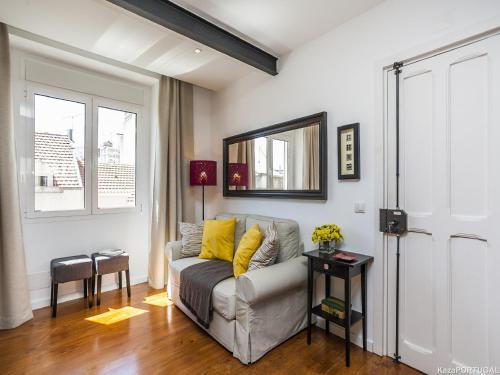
[[159, 299], [116, 315]]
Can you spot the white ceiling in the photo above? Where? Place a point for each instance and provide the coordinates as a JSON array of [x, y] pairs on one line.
[[280, 26], [101, 28]]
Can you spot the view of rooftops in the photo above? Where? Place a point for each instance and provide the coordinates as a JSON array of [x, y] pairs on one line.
[[60, 156], [116, 171]]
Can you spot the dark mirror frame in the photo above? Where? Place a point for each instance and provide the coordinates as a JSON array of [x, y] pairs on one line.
[[321, 194]]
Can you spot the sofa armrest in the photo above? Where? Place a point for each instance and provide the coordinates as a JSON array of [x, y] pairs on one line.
[[258, 285], [173, 250]]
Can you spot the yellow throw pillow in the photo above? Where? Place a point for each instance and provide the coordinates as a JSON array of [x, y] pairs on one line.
[[248, 245], [218, 239]]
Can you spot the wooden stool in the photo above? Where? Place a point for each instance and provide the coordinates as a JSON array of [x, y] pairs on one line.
[[74, 268], [103, 265]]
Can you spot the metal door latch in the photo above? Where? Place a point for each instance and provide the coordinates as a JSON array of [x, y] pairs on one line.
[[393, 221]]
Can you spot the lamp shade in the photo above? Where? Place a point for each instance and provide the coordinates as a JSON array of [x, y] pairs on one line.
[[238, 174], [203, 172]]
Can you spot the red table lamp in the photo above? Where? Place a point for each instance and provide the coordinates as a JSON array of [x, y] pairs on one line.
[[238, 174], [204, 173]]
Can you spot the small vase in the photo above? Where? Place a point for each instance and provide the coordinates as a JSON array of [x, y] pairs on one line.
[[324, 247]]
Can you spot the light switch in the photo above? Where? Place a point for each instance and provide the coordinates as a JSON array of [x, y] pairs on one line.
[[359, 207]]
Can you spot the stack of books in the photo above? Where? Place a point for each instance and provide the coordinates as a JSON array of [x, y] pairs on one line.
[[333, 306]]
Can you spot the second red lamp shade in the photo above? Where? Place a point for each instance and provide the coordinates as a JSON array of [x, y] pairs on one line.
[[238, 174]]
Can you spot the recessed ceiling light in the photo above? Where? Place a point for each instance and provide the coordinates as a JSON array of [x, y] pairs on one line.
[[197, 50]]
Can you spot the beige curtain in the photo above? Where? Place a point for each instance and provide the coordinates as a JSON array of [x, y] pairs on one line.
[[15, 307], [246, 154], [310, 175], [172, 195]]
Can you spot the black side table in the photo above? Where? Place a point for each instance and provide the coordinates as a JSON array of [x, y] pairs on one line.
[[326, 264]]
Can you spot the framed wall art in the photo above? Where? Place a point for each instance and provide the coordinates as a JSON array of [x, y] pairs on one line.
[[348, 152]]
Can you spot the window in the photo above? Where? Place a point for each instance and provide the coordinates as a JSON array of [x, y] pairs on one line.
[[271, 163], [260, 163], [279, 164], [44, 181], [84, 154], [59, 144], [116, 168]]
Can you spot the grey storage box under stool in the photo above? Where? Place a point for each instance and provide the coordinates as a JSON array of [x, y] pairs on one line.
[[105, 264], [74, 268]]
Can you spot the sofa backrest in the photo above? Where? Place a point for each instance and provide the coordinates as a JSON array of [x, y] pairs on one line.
[[288, 232]]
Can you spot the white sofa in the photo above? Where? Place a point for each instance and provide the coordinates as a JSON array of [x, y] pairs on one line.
[[264, 307]]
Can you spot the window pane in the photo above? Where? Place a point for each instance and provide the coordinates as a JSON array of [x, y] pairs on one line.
[[260, 163], [116, 171], [280, 153], [59, 154]]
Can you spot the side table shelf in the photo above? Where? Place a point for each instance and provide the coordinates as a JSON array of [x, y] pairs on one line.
[[356, 316]]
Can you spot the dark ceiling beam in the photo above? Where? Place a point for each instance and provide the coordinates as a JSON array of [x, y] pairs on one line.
[[182, 21]]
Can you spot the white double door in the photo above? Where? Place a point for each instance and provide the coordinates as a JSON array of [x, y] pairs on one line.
[[450, 188]]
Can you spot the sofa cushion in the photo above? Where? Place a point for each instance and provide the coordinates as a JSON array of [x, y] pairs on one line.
[[288, 234], [289, 239], [262, 221], [249, 244], [240, 228], [267, 253], [218, 239], [223, 295], [191, 236]]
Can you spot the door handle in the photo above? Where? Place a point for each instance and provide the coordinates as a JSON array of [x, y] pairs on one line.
[[417, 230], [468, 237]]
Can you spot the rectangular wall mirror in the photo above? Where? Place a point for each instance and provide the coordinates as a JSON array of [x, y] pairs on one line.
[[286, 160]]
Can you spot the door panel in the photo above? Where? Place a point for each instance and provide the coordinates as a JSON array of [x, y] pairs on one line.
[[468, 101], [418, 281], [417, 117], [468, 311]]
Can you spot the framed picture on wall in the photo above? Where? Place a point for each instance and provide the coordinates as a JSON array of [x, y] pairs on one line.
[[348, 152]]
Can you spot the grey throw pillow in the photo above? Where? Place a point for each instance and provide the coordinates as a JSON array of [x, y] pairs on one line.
[[267, 253], [191, 236]]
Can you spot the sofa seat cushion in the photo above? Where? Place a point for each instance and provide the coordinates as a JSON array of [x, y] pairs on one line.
[[224, 298], [178, 265], [223, 295]]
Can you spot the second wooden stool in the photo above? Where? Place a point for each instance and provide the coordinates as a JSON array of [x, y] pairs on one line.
[[103, 265]]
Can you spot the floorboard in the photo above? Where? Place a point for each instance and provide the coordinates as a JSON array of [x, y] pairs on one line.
[[162, 341]]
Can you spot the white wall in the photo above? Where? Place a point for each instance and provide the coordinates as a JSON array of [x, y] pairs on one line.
[[337, 73]]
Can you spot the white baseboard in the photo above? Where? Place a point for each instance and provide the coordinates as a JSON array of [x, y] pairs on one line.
[[356, 338], [44, 300]]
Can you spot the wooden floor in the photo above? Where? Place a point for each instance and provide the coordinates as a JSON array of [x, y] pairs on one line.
[[162, 341]]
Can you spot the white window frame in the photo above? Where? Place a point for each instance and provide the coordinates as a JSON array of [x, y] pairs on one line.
[[57, 93], [120, 106], [91, 150]]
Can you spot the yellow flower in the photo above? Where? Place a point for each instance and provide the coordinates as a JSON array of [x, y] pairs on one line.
[[327, 232]]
